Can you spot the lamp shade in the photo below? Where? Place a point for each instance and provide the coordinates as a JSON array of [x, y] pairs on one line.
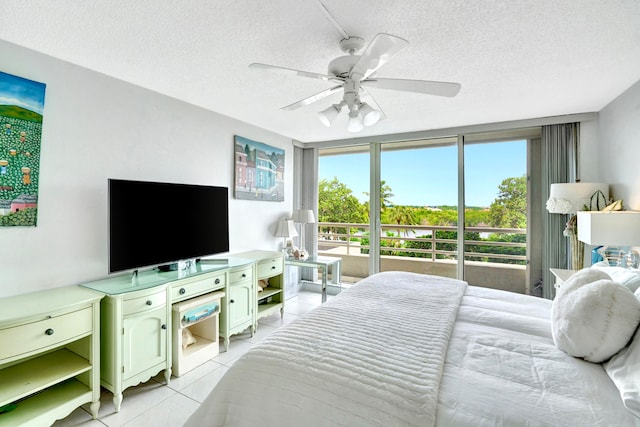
[[355, 123], [567, 198], [369, 115], [618, 228], [328, 115], [286, 229], [304, 216]]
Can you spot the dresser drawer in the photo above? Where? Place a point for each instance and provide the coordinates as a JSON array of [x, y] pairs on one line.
[[45, 333], [182, 291], [238, 275], [269, 267], [146, 303]]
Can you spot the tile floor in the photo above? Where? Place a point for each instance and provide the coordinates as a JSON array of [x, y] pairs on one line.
[[154, 404]]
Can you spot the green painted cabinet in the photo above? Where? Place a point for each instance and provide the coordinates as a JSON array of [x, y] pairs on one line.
[[49, 355], [135, 343], [238, 303]]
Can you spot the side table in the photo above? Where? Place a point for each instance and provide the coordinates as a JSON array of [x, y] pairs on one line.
[[561, 275], [326, 264]]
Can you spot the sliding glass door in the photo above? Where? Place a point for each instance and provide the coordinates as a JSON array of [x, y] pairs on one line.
[[456, 206], [343, 208], [495, 212], [419, 206]]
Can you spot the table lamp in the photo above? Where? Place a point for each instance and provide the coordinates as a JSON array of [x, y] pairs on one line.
[[286, 229], [303, 216], [569, 198]]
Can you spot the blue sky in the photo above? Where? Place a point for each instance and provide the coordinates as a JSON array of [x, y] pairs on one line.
[[21, 92], [428, 176]]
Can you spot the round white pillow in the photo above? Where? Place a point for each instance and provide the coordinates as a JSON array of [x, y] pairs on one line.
[[581, 278], [593, 319]]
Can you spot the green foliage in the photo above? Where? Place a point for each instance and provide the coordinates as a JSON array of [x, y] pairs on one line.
[[385, 195], [401, 215], [502, 250], [444, 217], [24, 217], [20, 113], [336, 203], [509, 210]]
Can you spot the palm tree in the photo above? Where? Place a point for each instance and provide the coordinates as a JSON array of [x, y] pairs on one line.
[[385, 195], [402, 215]]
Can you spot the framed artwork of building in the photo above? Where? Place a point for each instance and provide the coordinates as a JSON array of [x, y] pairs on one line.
[[259, 171]]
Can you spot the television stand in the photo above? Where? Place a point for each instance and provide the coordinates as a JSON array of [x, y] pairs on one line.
[[168, 267]]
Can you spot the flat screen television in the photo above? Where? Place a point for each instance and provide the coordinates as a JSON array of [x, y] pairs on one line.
[[160, 223]]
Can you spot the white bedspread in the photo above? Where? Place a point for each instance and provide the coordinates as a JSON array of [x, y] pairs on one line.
[[372, 357], [503, 369]]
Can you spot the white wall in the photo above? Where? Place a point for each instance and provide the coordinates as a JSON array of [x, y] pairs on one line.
[[589, 169], [619, 146], [96, 127]]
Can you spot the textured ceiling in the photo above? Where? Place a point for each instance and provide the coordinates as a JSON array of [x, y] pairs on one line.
[[515, 59]]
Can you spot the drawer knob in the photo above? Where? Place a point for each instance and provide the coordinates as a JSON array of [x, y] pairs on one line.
[[49, 331], [164, 326], [182, 291], [217, 281], [244, 275], [232, 301], [149, 302], [273, 267]]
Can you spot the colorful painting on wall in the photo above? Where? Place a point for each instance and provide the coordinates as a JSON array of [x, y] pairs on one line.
[[259, 171], [21, 108]]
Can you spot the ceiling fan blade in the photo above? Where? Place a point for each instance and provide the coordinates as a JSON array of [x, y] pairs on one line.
[[423, 86], [381, 49], [290, 71], [312, 98], [366, 97], [331, 19]]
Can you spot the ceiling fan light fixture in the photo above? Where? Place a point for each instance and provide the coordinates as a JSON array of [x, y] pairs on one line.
[[355, 123], [329, 114], [370, 116]]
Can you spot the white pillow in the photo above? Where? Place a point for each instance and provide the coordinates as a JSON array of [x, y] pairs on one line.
[[592, 317], [580, 278], [624, 370], [624, 276]]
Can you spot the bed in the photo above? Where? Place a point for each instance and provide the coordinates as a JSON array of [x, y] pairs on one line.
[[405, 349]]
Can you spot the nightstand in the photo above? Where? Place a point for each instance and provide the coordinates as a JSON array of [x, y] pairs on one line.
[[561, 276]]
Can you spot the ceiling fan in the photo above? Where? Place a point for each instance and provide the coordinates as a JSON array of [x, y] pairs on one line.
[[354, 72]]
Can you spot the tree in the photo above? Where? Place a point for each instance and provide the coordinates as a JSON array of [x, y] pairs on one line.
[[385, 195], [336, 203], [509, 209], [401, 215]]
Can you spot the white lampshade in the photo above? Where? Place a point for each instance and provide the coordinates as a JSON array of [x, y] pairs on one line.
[[304, 216], [617, 228], [355, 123], [569, 198], [328, 115], [286, 229], [369, 115]]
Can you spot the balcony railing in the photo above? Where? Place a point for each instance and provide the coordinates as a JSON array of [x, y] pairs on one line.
[[353, 239]]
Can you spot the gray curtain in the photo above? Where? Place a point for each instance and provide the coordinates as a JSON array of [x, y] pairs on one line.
[[560, 145], [305, 196]]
